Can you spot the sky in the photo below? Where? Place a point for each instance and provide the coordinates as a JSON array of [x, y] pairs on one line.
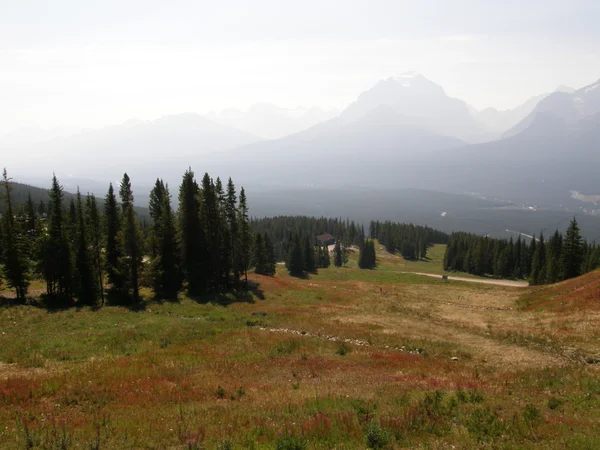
[[82, 63]]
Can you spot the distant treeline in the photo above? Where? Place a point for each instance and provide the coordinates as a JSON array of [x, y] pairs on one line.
[[21, 194], [540, 262], [282, 229], [83, 252], [411, 241]]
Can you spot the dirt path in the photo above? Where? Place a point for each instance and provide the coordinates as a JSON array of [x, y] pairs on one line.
[[509, 283]]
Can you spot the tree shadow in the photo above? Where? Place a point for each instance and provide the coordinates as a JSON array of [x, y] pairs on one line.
[[239, 295]]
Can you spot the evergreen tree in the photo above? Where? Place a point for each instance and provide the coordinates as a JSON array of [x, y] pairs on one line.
[[95, 229], [244, 238], [195, 260], [554, 258], [130, 241], [14, 248], [367, 258], [260, 256], [55, 260], [232, 222], [538, 263], [308, 254], [86, 288], [165, 273], [572, 251], [337, 254], [271, 259], [112, 226], [295, 260]]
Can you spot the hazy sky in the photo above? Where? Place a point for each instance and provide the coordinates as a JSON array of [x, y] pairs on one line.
[[93, 63]]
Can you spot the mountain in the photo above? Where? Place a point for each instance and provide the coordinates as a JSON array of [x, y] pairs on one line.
[[146, 149], [501, 121], [570, 107], [371, 150], [423, 103], [270, 121]]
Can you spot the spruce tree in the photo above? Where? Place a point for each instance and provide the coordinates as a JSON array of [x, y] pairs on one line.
[[232, 223], [55, 254], [14, 248], [271, 259], [244, 238], [260, 257], [308, 253], [337, 254], [165, 273], [554, 258], [572, 251], [130, 241], [295, 259], [95, 228], [538, 263], [195, 260], [112, 226], [86, 287]]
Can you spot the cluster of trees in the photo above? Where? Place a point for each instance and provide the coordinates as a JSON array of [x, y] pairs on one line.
[[411, 241], [559, 258], [305, 256], [280, 229], [367, 258], [206, 244]]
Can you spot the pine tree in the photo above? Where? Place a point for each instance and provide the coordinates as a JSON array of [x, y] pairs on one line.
[[55, 259], [130, 241], [271, 259], [554, 258], [337, 254], [244, 239], [295, 259], [165, 273], [367, 258], [260, 257], [112, 226], [95, 228], [86, 288], [308, 253], [195, 260], [538, 263], [232, 223], [14, 248], [572, 251]]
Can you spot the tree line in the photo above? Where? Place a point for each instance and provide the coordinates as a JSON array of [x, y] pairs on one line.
[[411, 241], [281, 230], [541, 261], [86, 252]]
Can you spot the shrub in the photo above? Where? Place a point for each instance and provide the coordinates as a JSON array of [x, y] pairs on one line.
[[343, 349], [221, 393], [377, 437], [554, 403], [291, 442], [484, 424]]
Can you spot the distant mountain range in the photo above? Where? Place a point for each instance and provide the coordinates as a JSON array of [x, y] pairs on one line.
[[403, 133], [270, 121]]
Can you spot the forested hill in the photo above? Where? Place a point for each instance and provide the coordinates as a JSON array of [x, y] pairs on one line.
[[40, 198]]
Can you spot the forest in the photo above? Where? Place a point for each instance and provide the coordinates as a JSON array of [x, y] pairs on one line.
[[541, 262], [89, 251]]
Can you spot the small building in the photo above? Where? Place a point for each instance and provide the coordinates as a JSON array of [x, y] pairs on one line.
[[325, 239]]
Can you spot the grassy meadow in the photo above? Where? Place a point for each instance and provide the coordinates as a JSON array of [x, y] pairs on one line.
[[345, 359]]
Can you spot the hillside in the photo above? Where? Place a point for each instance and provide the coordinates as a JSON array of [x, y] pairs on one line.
[[576, 294], [342, 359]]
